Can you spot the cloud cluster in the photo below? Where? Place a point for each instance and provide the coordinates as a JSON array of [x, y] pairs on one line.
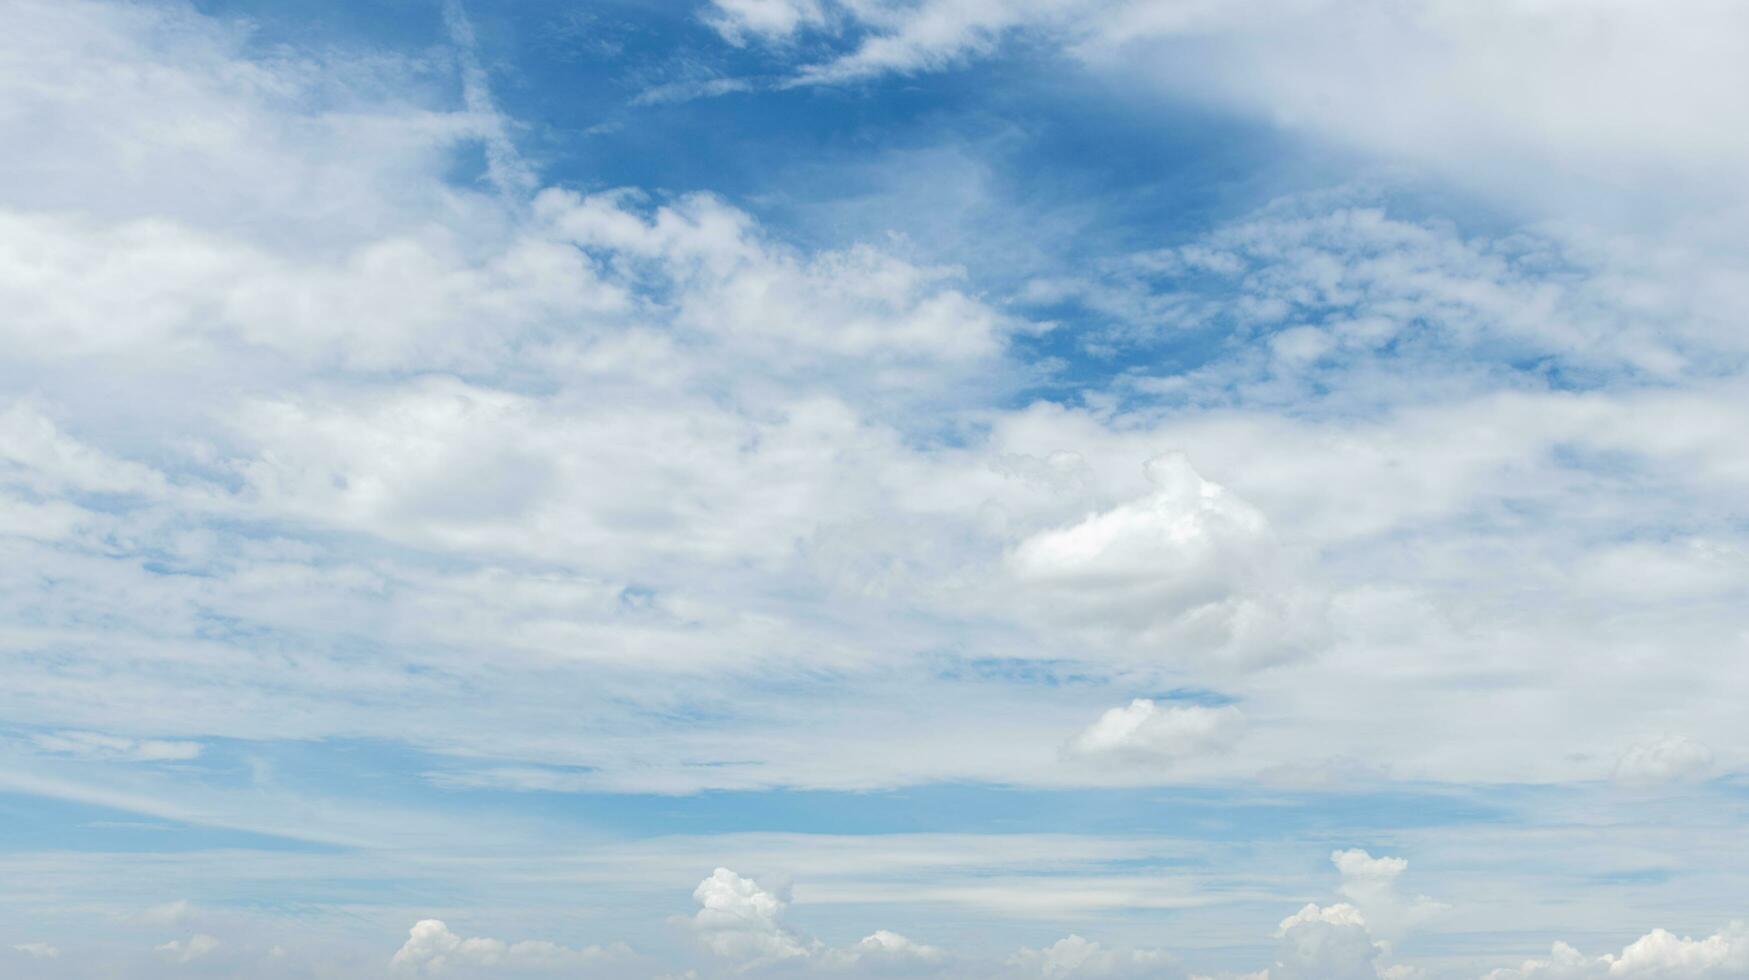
[[1658, 954], [433, 949], [307, 436], [741, 922], [1074, 957]]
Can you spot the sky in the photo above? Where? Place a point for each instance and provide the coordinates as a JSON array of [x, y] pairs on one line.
[[958, 489]]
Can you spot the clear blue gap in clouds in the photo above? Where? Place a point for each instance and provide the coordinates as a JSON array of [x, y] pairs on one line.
[[1011, 169]]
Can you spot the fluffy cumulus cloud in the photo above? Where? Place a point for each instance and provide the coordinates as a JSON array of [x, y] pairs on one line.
[[433, 949], [1328, 943], [1658, 954], [1352, 940], [1075, 957], [742, 923], [739, 920], [1371, 884], [1190, 571]]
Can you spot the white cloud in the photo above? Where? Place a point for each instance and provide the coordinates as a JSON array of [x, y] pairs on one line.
[[1190, 572], [187, 950], [739, 920], [1371, 884], [1147, 731], [742, 922], [1340, 914], [772, 493], [1665, 759], [1658, 955], [1325, 943], [1074, 957], [433, 949], [765, 18], [519, 476], [96, 745], [38, 951]]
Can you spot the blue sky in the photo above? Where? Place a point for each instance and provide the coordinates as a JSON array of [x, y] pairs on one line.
[[874, 488]]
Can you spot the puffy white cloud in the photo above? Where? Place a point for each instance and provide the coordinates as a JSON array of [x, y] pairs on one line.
[[187, 950], [1147, 731], [1191, 572], [765, 18], [1345, 940], [1371, 884], [739, 920], [1325, 943], [1658, 955], [1075, 957], [38, 951], [732, 282], [1340, 914], [1362, 872], [433, 949], [742, 922], [1664, 759], [682, 454]]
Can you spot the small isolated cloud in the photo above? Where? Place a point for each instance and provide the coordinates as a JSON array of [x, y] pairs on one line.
[[1190, 570], [187, 950], [118, 748], [38, 951], [1074, 957], [432, 949], [1658, 955], [1670, 758], [1358, 868], [884, 948], [739, 920], [685, 90], [1146, 731]]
